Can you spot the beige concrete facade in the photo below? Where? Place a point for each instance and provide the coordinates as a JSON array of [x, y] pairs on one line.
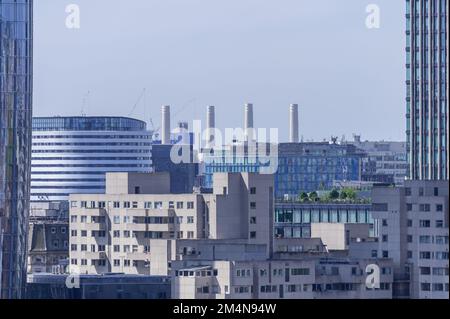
[[121, 231]]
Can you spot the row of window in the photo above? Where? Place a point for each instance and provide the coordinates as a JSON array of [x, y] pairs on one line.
[[134, 204]]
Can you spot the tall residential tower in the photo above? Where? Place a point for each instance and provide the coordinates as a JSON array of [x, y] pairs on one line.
[[427, 88], [16, 52]]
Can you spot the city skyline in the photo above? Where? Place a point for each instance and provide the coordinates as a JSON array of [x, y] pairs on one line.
[[270, 56]]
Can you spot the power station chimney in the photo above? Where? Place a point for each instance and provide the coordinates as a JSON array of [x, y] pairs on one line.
[[293, 123], [211, 122], [248, 124], [165, 125]]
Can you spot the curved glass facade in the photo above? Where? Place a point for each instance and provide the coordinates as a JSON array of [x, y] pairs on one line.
[[84, 123], [71, 155], [16, 32]]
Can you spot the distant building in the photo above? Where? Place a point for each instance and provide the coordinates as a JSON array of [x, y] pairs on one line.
[[302, 167], [111, 286], [413, 230], [385, 162], [72, 154], [48, 246], [182, 175]]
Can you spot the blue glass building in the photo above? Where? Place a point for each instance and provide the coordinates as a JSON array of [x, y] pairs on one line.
[[293, 220], [16, 52], [302, 167]]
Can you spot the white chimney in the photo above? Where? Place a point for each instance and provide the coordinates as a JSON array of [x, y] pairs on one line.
[[211, 122], [165, 125], [293, 123], [248, 128]]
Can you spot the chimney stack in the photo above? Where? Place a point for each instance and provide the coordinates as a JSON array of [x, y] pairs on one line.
[[248, 128], [293, 123], [165, 125], [211, 122]]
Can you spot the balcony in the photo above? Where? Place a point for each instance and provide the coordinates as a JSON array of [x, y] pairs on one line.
[[94, 255], [138, 256], [95, 226], [136, 227]]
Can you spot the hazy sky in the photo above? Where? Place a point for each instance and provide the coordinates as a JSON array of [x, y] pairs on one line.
[[190, 53]]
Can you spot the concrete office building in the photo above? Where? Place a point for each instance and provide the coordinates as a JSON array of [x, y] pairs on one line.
[[427, 89], [117, 231], [319, 278], [72, 154], [413, 231], [16, 88]]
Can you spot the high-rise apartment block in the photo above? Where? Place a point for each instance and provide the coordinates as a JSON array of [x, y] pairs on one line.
[[413, 231], [427, 89]]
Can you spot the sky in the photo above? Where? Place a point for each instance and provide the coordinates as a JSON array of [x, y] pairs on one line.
[[135, 56]]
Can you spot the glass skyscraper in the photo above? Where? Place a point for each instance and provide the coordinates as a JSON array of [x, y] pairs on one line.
[[16, 51], [427, 89]]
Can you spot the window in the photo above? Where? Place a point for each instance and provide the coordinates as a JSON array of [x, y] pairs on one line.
[[439, 207], [73, 204], [171, 205], [190, 219], [380, 207], [385, 222], [180, 205], [409, 238], [410, 223], [116, 219], [63, 230], [300, 271], [253, 205], [190, 205], [83, 219], [73, 233], [424, 224], [116, 205], [425, 286], [137, 190], [252, 220], [84, 233], [407, 191], [425, 255], [385, 238], [148, 205], [409, 207], [73, 219], [385, 254], [424, 207], [374, 254], [252, 190], [425, 270], [252, 234], [116, 262], [135, 204], [436, 191], [117, 248], [439, 224], [116, 234], [126, 205], [409, 254]]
